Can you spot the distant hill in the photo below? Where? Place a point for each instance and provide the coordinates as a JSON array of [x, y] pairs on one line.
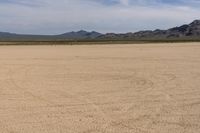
[[190, 31], [80, 35], [6, 36], [185, 32]]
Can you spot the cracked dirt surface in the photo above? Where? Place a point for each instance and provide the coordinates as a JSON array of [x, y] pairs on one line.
[[152, 88]]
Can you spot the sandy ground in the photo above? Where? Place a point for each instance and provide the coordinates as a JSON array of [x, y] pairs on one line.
[[152, 88]]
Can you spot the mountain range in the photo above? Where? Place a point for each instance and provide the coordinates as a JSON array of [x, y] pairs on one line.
[[185, 32]]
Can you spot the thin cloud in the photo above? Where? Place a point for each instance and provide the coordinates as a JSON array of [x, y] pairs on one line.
[[53, 17]]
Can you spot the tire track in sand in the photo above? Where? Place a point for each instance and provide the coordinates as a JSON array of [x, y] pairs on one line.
[[23, 90]]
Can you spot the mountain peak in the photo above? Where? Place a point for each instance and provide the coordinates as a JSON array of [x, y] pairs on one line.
[[82, 31], [195, 22], [82, 34]]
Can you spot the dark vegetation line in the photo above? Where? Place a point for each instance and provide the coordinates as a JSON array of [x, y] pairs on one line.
[[94, 42]]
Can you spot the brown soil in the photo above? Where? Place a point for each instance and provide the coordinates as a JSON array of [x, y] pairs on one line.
[[151, 88]]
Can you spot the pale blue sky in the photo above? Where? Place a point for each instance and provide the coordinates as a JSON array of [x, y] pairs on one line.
[[59, 16]]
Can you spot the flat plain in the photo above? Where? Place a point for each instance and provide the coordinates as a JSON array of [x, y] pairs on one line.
[[139, 88]]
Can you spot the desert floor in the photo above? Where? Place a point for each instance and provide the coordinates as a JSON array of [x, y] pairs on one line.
[[146, 88]]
